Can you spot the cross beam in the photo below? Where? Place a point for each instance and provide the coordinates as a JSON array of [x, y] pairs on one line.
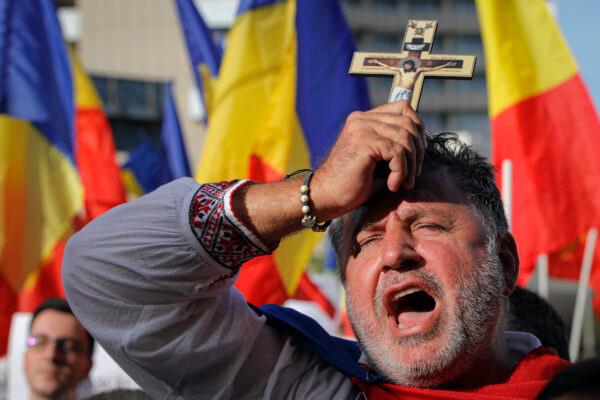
[[410, 67]]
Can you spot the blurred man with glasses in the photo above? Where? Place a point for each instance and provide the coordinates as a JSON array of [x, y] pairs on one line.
[[59, 352]]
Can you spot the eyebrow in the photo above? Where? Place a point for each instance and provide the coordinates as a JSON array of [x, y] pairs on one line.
[[412, 215]]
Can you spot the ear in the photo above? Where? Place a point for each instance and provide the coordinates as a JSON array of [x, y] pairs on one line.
[[509, 257], [85, 368], [89, 367]]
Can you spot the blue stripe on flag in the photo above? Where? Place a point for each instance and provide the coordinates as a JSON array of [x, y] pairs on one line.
[[148, 165], [153, 165], [35, 75], [172, 139], [247, 5], [200, 45], [325, 93]]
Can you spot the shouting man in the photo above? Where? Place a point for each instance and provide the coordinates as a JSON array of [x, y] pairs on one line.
[[426, 257]]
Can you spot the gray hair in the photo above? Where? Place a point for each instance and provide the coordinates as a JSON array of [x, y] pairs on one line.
[[474, 175]]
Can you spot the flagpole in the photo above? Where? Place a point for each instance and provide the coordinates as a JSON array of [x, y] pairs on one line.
[[541, 268], [507, 190], [582, 290], [542, 261]]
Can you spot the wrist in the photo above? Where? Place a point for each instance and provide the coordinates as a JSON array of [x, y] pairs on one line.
[[270, 209], [326, 206], [309, 219]]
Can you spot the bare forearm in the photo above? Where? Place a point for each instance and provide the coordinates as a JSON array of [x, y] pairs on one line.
[[391, 133], [272, 210]]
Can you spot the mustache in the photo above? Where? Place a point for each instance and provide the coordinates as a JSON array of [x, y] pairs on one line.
[[432, 284]]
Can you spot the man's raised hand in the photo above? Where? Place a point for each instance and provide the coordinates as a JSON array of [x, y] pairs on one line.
[[392, 134]]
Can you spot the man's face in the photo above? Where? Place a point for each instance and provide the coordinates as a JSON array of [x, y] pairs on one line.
[[423, 289], [53, 370], [408, 67]]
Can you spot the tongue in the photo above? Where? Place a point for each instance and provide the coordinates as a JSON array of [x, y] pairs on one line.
[[413, 309], [407, 319]]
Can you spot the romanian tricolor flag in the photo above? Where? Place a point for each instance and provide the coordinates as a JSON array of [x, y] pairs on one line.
[[40, 189], [151, 166], [205, 56], [99, 175], [94, 148], [57, 165], [282, 94], [543, 120]]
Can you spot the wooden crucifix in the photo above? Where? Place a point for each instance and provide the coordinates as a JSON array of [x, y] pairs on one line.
[[414, 63]]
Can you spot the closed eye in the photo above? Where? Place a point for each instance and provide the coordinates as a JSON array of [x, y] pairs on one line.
[[363, 242], [430, 227]]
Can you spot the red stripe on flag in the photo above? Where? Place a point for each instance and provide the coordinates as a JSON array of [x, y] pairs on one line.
[[260, 171], [259, 279], [47, 285], [309, 291], [8, 299], [260, 283], [553, 140], [95, 152]]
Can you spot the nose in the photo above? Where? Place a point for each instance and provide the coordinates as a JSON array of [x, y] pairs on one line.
[[398, 246], [53, 352]]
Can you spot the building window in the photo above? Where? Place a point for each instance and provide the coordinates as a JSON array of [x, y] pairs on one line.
[[424, 6], [473, 122], [134, 109], [462, 6], [433, 84], [384, 42], [474, 129], [385, 4], [434, 122], [477, 84], [468, 44]]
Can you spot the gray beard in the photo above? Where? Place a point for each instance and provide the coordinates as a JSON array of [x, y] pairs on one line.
[[469, 329]]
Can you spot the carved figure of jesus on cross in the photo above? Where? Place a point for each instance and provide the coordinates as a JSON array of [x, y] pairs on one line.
[[414, 63]]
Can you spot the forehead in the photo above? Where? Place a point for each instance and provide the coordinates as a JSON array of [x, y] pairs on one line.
[[435, 191], [57, 324]]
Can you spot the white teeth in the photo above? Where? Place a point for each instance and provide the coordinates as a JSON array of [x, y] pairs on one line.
[[406, 292]]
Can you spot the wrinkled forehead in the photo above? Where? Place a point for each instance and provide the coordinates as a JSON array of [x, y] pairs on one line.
[[434, 189]]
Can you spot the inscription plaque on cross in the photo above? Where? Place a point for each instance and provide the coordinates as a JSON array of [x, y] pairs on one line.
[[414, 63]]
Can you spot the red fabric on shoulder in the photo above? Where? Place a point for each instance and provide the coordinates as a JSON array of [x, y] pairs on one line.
[[529, 377]]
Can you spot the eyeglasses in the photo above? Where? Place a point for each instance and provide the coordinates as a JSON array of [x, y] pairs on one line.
[[63, 345]]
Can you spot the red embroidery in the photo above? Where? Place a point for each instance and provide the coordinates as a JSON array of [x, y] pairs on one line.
[[222, 236], [222, 278]]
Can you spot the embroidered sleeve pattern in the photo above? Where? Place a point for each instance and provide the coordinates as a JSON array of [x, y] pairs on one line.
[[218, 229]]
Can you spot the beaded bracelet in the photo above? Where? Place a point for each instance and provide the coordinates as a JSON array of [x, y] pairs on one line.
[[309, 221]]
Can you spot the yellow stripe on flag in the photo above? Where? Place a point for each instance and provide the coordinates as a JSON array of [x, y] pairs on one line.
[[131, 184], [252, 112], [521, 63], [280, 141], [292, 257], [208, 88], [85, 91], [40, 194], [257, 45]]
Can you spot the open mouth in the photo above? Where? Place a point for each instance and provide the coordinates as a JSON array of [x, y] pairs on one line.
[[411, 308]]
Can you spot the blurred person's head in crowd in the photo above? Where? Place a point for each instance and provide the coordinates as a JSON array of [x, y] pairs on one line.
[[59, 352], [120, 394], [531, 313], [580, 381]]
